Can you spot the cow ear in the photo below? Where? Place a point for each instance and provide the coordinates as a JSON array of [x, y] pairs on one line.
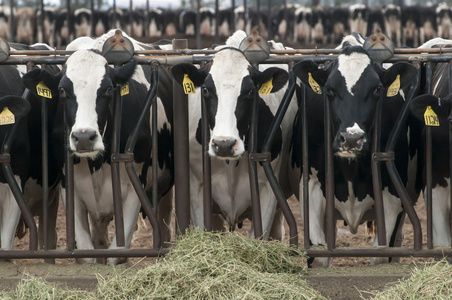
[[278, 76], [124, 73], [441, 107], [308, 68], [197, 76], [33, 78], [18, 106], [406, 71]]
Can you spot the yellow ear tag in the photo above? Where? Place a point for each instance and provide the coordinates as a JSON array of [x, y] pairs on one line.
[[266, 88], [7, 117], [189, 87], [314, 85], [43, 90], [124, 89], [394, 87], [431, 119]]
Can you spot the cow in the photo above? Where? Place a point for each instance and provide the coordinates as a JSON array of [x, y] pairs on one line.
[[434, 109], [207, 21], [353, 84], [135, 22], [101, 22], [82, 22], [26, 25], [187, 22], [47, 35], [303, 24], [444, 21], [357, 18], [88, 102], [393, 23], [282, 25], [376, 20], [64, 28], [117, 18], [428, 24], [320, 25], [170, 22], [228, 84], [411, 26], [5, 16], [225, 22], [339, 24]]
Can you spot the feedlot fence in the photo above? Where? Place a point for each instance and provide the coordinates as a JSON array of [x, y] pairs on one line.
[[423, 60]]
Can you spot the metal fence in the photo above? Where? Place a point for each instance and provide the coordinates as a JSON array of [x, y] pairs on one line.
[[182, 187]]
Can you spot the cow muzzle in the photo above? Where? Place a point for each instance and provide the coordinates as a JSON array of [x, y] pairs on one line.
[[225, 148], [84, 143], [350, 144]]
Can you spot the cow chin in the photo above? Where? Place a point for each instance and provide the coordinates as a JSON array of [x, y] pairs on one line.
[[92, 154], [350, 155]]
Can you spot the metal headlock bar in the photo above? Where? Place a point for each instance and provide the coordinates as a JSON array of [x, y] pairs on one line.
[[118, 52]]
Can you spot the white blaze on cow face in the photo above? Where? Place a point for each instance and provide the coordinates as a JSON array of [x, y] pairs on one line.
[[228, 70], [352, 67], [86, 70]]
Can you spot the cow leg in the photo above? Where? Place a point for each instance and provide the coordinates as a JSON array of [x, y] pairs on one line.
[[268, 208], [10, 218], [196, 204], [392, 208], [317, 219], [99, 233], [165, 209], [131, 209], [82, 232], [441, 213], [277, 232]]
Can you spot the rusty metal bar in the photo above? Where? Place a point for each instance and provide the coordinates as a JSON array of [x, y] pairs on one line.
[[305, 167], [329, 175], [181, 155], [115, 173], [428, 162], [207, 171], [45, 171], [268, 141], [252, 169], [378, 252], [31, 254], [376, 174]]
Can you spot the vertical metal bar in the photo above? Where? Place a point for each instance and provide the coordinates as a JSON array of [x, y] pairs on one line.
[[376, 174], [155, 157], [232, 17], [68, 20], [217, 22], [258, 8], [252, 169], [329, 176], [131, 18], [69, 184], [115, 176], [114, 13], [12, 27], [41, 22], [305, 168], [181, 155], [269, 22], [93, 26], [198, 24], [146, 20], [207, 171], [45, 171], [245, 17], [428, 162]]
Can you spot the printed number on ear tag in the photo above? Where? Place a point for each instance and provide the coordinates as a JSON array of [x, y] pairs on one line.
[[394, 87], [266, 88], [431, 119], [124, 89], [314, 85], [7, 117], [43, 90], [189, 87]]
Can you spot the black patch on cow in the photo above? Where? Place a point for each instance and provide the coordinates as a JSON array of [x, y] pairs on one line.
[[209, 96]]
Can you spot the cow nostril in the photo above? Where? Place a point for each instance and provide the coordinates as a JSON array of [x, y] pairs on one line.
[[342, 139]]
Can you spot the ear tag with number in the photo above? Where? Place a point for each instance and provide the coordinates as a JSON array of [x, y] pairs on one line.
[[431, 119], [394, 87], [314, 85], [266, 88], [7, 117], [125, 89], [189, 87], [43, 90]]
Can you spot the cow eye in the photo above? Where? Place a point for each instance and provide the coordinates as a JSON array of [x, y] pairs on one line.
[[205, 91], [62, 92], [377, 91], [109, 90], [329, 91], [251, 93]]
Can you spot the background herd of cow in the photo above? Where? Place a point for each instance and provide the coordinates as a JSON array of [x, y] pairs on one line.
[[407, 26]]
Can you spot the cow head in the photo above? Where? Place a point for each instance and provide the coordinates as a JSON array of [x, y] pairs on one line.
[[86, 86], [229, 84], [353, 84]]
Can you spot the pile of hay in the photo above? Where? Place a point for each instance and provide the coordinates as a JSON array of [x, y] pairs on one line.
[[206, 266], [429, 281]]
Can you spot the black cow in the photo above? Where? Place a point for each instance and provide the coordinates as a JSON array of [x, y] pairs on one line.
[[444, 21], [88, 101], [428, 24], [376, 20], [48, 35], [410, 25], [357, 18], [353, 84], [339, 24], [187, 22], [393, 23]]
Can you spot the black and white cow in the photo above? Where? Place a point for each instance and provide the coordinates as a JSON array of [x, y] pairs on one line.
[[135, 22], [428, 24], [376, 20], [339, 24], [187, 22], [88, 102], [358, 14], [5, 15], [101, 22], [170, 22], [410, 26], [25, 25], [207, 21], [48, 35], [444, 21], [439, 102], [64, 30], [303, 24], [353, 84], [82, 22], [225, 22], [393, 23], [228, 84], [320, 25]]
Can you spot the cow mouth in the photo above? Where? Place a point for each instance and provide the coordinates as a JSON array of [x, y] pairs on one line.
[[350, 154], [87, 153]]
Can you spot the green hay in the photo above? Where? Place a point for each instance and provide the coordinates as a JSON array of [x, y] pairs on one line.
[[199, 266], [216, 266], [429, 281]]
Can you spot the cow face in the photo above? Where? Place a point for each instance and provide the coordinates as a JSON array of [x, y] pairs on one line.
[[229, 84], [353, 85]]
